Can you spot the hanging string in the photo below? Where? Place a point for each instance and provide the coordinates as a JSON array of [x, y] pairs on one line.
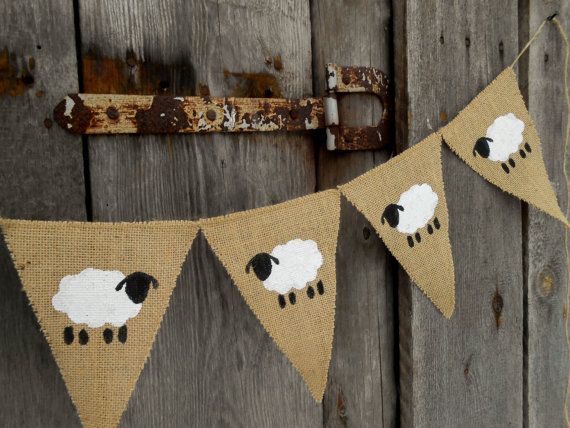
[[566, 309]]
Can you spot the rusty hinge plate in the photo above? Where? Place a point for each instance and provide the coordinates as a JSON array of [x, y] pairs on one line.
[[165, 114]]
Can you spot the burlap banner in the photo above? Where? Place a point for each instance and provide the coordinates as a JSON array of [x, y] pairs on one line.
[[99, 291], [282, 259], [404, 199], [495, 136]]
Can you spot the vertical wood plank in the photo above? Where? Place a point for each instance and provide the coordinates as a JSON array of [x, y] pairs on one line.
[[212, 363], [41, 177], [547, 273], [466, 371], [362, 384]]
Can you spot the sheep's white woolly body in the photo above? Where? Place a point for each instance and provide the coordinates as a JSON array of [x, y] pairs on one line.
[[419, 203], [90, 298], [507, 135], [299, 262]]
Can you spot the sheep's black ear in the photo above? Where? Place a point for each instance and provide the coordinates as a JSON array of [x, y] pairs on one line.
[[401, 208], [120, 284], [153, 281], [275, 259]]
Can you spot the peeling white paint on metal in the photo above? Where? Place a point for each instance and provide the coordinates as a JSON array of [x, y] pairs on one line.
[[331, 111], [69, 104], [310, 124], [331, 143], [331, 76], [203, 125], [230, 116]]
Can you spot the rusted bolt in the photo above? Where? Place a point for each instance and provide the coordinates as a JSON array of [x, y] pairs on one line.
[[345, 79], [48, 123], [443, 116], [112, 113], [294, 114], [211, 115], [366, 232]]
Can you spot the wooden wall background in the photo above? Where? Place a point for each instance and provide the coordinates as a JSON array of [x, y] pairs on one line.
[[501, 360]]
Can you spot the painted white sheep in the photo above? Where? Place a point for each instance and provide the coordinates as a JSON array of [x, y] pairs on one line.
[[289, 266], [503, 139], [97, 297], [414, 210]]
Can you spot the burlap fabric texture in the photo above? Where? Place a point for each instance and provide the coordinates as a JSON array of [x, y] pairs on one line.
[[495, 136], [282, 260], [99, 376], [404, 199]]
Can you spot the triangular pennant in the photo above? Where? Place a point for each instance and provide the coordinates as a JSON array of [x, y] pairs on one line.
[[99, 291], [282, 259], [495, 136], [404, 199]]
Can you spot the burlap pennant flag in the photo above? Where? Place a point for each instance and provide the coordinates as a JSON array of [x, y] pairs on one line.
[[404, 199], [282, 260], [495, 136], [99, 291]]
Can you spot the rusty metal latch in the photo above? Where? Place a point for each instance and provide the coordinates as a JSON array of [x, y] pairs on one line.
[[166, 114]]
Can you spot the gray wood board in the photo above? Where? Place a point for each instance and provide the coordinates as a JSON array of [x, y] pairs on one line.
[[547, 272], [41, 177], [212, 363], [466, 371], [362, 382]]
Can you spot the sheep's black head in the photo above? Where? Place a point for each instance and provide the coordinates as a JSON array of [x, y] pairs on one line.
[[391, 214], [261, 264], [482, 147], [137, 285]]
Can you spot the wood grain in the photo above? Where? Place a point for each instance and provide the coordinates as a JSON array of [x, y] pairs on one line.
[[547, 272], [41, 177], [212, 363], [362, 385], [466, 371]]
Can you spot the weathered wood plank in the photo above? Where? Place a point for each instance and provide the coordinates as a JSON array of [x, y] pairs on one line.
[[362, 386], [41, 177], [466, 371], [547, 273], [212, 363]]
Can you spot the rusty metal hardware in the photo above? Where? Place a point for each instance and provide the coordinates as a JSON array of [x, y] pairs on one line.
[[165, 114]]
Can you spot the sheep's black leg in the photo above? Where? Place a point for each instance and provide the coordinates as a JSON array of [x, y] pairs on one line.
[[429, 229], [512, 162], [122, 334], [418, 237], [505, 167], [522, 153], [411, 242], [68, 335], [436, 223], [292, 298], [83, 337], [108, 335], [281, 300], [320, 288], [527, 147], [310, 292]]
